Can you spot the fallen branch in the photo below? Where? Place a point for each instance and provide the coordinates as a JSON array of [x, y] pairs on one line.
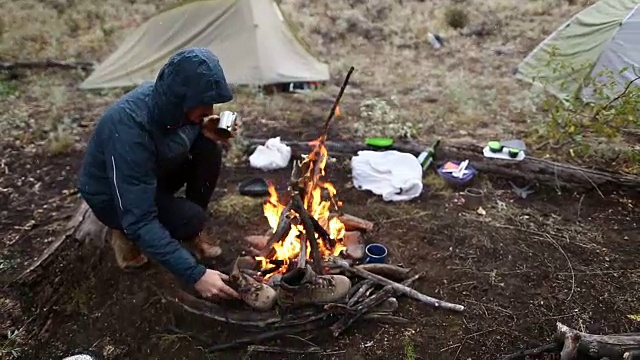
[[613, 346], [366, 306], [283, 350], [267, 335], [364, 288], [216, 312], [632, 355], [354, 289], [399, 288], [531, 168], [385, 318], [572, 344], [391, 272], [46, 64], [526, 354], [83, 227]]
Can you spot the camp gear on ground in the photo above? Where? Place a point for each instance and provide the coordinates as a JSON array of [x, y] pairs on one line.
[[514, 144], [375, 254], [603, 36], [379, 142], [253, 40], [522, 192], [394, 175], [457, 173], [271, 156], [426, 157], [508, 150], [257, 187]]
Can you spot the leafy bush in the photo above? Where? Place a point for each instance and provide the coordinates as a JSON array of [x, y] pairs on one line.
[[378, 118], [592, 130]]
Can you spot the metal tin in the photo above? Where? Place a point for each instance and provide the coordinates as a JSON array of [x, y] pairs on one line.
[[226, 123]]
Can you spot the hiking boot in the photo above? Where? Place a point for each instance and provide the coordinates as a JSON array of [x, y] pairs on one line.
[[128, 254], [203, 247], [305, 287], [257, 295]]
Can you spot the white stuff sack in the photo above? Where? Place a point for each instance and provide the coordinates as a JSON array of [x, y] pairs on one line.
[[271, 156], [394, 175]]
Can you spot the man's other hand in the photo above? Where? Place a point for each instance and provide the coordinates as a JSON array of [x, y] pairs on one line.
[[211, 286]]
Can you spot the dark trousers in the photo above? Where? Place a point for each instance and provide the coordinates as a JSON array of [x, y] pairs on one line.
[[183, 217]]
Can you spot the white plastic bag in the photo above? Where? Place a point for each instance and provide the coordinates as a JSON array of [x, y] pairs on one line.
[[395, 175], [271, 156]]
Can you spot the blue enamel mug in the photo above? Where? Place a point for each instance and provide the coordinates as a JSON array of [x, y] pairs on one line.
[[375, 254]]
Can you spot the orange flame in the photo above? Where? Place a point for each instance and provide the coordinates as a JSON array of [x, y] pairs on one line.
[[317, 205]]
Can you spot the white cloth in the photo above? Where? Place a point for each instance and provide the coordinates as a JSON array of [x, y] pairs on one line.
[[395, 175], [271, 156]]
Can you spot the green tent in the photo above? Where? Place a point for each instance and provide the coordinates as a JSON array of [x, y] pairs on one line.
[[251, 38], [601, 43]]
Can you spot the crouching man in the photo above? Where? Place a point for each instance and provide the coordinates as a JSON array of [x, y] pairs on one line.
[[148, 145]]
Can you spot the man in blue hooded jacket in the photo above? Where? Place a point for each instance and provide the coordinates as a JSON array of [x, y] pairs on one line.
[[146, 146]]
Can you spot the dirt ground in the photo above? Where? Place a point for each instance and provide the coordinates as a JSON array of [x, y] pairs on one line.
[[519, 269]]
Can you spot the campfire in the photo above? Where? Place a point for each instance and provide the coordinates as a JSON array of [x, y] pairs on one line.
[[303, 230]]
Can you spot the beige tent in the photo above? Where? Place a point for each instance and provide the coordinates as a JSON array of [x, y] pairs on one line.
[[251, 37]]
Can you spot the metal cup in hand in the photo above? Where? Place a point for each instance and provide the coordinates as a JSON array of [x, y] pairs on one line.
[[225, 125]]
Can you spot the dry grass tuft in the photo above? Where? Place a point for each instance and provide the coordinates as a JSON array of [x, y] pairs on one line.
[[434, 183], [456, 17], [238, 206]]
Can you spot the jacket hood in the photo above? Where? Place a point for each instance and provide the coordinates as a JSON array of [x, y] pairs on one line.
[[192, 77]]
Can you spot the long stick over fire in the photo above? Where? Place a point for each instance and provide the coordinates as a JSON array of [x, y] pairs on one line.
[[334, 107], [320, 142]]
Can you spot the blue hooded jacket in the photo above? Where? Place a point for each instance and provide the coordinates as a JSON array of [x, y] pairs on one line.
[[142, 133]]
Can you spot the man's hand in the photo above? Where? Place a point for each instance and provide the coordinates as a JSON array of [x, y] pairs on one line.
[[256, 244], [209, 126], [211, 285]]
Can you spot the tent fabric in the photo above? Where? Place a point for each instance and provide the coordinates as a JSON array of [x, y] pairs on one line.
[[250, 37], [602, 37]]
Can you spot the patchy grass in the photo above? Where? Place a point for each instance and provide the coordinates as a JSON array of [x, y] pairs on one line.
[[238, 206], [12, 347], [434, 183], [409, 349]]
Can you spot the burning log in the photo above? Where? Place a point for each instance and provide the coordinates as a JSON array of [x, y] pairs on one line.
[[402, 289], [322, 233], [284, 225], [309, 234], [302, 257]]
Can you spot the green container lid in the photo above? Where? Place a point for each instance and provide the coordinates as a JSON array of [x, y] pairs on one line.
[[379, 142]]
